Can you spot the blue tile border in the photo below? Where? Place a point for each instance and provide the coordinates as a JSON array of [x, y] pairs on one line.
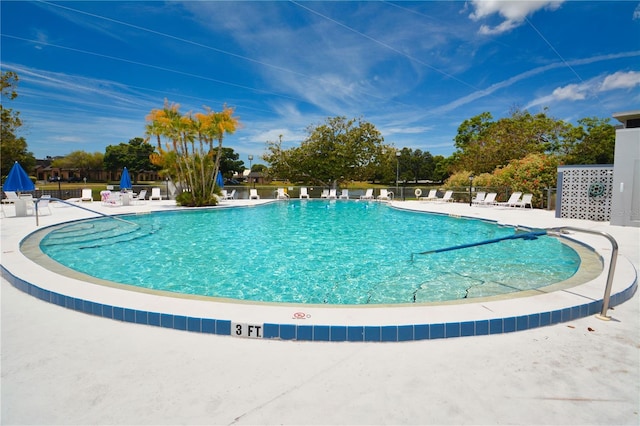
[[324, 333]]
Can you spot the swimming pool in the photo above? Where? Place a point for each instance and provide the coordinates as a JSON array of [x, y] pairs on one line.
[[313, 252]]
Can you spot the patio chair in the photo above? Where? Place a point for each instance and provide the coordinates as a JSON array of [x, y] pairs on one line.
[[325, 193], [12, 196], [282, 194], [526, 200], [332, 194], [155, 194], [489, 200], [87, 195], [253, 194], [368, 195], [43, 204], [344, 195], [304, 193], [448, 197], [479, 198], [228, 195], [385, 195], [433, 195], [140, 198], [513, 199]]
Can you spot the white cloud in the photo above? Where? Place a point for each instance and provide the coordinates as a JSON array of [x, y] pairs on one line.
[[572, 92], [589, 89], [621, 80], [636, 12], [513, 12]]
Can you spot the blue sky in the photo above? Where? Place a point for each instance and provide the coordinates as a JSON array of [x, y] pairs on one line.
[[90, 71]]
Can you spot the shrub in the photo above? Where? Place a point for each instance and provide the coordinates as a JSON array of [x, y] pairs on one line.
[[531, 174]]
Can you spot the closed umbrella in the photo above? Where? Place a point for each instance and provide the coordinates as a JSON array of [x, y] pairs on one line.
[[220, 180], [125, 180], [18, 180]]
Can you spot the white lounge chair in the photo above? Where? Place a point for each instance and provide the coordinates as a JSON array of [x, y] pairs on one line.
[[282, 194], [155, 194], [325, 193], [526, 200], [513, 199], [344, 195], [433, 195], [332, 194], [448, 197], [385, 195], [253, 194], [479, 198], [12, 196], [368, 195], [140, 198], [303, 192], [228, 195], [489, 200], [43, 204], [87, 195]]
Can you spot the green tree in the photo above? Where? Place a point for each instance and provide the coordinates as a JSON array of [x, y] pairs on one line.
[[230, 162], [12, 147], [592, 142], [337, 150], [483, 145], [80, 161], [416, 165], [441, 168], [133, 155]]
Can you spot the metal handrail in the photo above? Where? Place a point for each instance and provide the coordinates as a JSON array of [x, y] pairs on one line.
[[612, 264], [36, 200]]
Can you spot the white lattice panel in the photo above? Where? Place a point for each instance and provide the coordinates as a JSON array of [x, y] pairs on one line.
[[576, 201]]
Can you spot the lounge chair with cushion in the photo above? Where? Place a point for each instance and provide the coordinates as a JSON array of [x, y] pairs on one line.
[[367, 195], [87, 195], [111, 199], [325, 193], [304, 193], [332, 194], [344, 195], [385, 195], [253, 194], [155, 194], [512, 201]]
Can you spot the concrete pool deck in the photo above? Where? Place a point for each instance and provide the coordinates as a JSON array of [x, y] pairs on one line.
[[63, 367]]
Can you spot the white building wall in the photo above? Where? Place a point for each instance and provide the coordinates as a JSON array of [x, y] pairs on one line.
[[625, 204]]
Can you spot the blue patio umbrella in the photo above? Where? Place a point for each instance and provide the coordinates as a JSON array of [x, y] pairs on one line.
[[125, 180], [18, 180], [220, 180]]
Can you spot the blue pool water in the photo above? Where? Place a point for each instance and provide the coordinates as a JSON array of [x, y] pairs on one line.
[[314, 251]]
